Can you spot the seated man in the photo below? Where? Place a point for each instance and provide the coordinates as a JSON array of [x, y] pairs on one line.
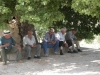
[[61, 37], [29, 44], [71, 40], [50, 41], [7, 45]]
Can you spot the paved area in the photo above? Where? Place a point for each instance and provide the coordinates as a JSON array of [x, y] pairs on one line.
[[84, 63]]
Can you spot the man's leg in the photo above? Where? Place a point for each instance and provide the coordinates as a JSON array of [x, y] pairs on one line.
[[18, 53], [38, 50], [77, 45], [28, 50], [73, 47], [69, 42], [56, 46], [47, 45], [3, 55], [44, 44], [61, 43]]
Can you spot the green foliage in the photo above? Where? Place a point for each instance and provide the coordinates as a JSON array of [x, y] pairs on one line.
[[39, 12], [40, 31], [80, 14], [89, 7], [5, 14], [84, 23]]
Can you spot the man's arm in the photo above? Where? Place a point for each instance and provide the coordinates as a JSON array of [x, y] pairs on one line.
[[3, 45], [58, 36], [16, 44], [65, 43], [25, 41], [13, 41], [70, 35], [34, 45], [46, 38], [74, 37]]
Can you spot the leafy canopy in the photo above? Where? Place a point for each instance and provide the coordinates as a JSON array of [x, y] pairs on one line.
[[37, 12], [80, 14], [89, 7]]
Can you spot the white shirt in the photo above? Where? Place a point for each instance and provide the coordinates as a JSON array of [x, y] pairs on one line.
[[60, 36], [27, 40]]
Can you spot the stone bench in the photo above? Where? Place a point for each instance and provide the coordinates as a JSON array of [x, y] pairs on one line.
[[12, 56], [50, 51]]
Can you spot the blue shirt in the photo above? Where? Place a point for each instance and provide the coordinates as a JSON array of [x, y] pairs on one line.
[[47, 37], [3, 41]]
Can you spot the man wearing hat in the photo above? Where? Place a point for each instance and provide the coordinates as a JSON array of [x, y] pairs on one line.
[[71, 39], [7, 45]]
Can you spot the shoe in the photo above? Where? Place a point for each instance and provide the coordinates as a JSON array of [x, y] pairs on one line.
[[61, 53], [70, 51], [46, 55], [38, 57], [75, 51], [79, 50], [56, 53], [29, 58], [4, 63]]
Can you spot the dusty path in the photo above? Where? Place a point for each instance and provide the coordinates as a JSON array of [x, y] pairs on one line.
[[85, 63]]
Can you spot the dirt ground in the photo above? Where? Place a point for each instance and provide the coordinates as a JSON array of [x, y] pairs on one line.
[[84, 63]]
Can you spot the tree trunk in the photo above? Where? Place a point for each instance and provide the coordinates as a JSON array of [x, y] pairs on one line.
[[19, 30], [24, 27], [13, 26]]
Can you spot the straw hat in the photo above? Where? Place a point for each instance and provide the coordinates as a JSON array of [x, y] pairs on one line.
[[6, 32]]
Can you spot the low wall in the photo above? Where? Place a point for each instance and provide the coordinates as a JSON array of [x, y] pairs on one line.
[[12, 56]]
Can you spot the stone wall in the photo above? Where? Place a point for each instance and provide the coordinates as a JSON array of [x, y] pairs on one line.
[[24, 54]]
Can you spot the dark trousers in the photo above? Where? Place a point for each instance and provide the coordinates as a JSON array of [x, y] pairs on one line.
[[69, 42], [61, 43]]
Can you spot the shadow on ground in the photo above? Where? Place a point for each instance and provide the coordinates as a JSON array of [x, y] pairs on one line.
[[83, 63]]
